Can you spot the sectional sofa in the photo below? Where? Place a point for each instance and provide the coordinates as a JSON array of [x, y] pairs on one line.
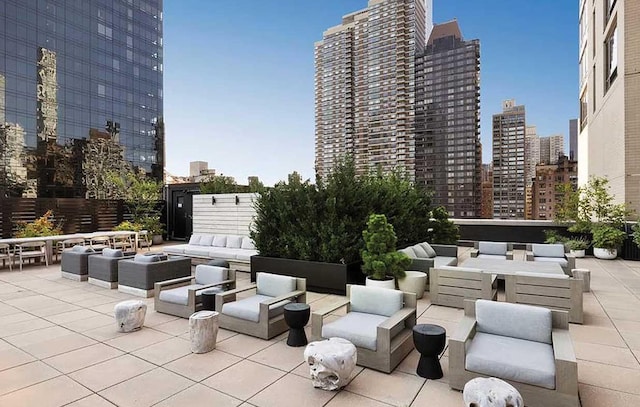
[[237, 250]]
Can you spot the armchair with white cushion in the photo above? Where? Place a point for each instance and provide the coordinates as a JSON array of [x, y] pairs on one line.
[[182, 296], [262, 314], [492, 250], [554, 253], [528, 347], [379, 322]]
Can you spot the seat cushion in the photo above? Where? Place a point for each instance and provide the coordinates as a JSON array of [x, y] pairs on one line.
[[359, 328], [542, 274], [82, 249], [234, 242], [440, 261], [245, 254], [247, 243], [375, 300], [149, 258], [430, 250], [175, 249], [560, 260], [210, 274], [205, 240], [497, 248], [274, 285], [179, 295], [548, 250], [512, 359], [202, 251], [249, 308], [222, 252], [492, 256], [219, 241], [514, 320], [195, 238]]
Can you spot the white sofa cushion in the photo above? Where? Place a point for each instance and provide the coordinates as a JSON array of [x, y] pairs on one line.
[[492, 256], [512, 359], [249, 308], [420, 252], [180, 295], [247, 243], [542, 274], [440, 261], [427, 247], [409, 252], [222, 253], [497, 248], [195, 238], [234, 242], [210, 274], [548, 250], [205, 240], [560, 260], [219, 241], [194, 250], [514, 320], [175, 249], [274, 285], [245, 254], [361, 329], [374, 300]]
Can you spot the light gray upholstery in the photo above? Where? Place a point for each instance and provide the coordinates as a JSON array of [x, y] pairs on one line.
[[440, 261], [202, 251], [409, 252], [420, 251], [374, 300], [205, 240], [274, 285], [235, 249], [106, 252], [179, 295], [494, 248], [81, 249], [249, 308], [356, 327], [548, 250], [560, 260], [550, 275], [514, 320], [175, 249], [234, 242], [210, 274], [431, 252], [195, 238], [247, 243], [149, 258], [512, 359], [492, 256], [219, 241]]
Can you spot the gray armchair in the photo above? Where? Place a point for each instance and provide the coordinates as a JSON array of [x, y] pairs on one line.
[[103, 268], [492, 250], [554, 253], [528, 347], [260, 315], [138, 275], [379, 322], [75, 262], [182, 296]]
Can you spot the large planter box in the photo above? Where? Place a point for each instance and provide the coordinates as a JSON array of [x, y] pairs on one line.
[[331, 278]]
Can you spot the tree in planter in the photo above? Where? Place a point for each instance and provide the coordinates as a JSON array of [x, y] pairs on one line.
[[380, 258], [443, 231], [608, 237]]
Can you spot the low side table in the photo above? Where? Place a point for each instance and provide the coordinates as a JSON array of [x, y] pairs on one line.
[[429, 340], [296, 315], [209, 299], [203, 331]]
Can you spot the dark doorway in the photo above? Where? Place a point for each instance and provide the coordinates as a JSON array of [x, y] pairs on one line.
[[182, 215]]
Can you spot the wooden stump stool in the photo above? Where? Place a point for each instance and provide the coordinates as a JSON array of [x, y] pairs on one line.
[[130, 315], [203, 331], [585, 276], [331, 362], [491, 392]]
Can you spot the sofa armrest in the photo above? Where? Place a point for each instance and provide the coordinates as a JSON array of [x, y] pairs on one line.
[[571, 261], [474, 252], [230, 295], [423, 265], [447, 250], [264, 305], [510, 255], [529, 256], [465, 331], [317, 318], [457, 345], [565, 361], [205, 286], [392, 325]]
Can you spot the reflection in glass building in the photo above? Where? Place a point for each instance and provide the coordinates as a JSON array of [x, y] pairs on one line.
[[80, 95]]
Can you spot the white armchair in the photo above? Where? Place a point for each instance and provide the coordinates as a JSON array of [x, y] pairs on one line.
[[555, 253], [492, 250]]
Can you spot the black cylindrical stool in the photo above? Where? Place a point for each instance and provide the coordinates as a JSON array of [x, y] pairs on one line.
[[429, 340], [296, 315], [209, 299]]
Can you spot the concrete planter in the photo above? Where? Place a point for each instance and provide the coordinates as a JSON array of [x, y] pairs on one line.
[[415, 282], [578, 253], [390, 283]]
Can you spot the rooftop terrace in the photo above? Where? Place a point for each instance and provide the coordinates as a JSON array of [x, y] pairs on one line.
[[59, 347]]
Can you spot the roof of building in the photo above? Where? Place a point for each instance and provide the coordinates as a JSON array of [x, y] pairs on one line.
[[450, 28]]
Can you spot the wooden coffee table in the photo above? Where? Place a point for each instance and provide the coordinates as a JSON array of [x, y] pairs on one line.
[[504, 267]]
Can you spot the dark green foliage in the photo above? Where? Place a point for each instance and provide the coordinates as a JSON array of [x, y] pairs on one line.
[[608, 237], [324, 222], [552, 236], [636, 234], [442, 230], [380, 258]]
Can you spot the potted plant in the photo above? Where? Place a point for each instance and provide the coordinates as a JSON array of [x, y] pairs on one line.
[[154, 227], [606, 241], [382, 263], [128, 226], [577, 246]]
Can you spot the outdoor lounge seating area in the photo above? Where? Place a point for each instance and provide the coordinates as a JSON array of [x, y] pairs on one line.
[[59, 344]]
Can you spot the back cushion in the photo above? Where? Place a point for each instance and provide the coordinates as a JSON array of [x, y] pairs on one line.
[[219, 241], [82, 249], [234, 242], [548, 250], [375, 300], [247, 243], [497, 248], [273, 285], [205, 240], [427, 248], [409, 252], [514, 320], [106, 252], [195, 238], [420, 252], [146, 258], [210, 274]]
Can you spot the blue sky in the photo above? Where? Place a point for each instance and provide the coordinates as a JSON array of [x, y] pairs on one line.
[[238, 75]]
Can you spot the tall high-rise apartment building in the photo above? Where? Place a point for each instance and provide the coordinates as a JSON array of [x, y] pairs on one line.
[[365, 87], [509, 162], [573, 139], [609, 137], [551, 148], [486, 211], [448, 155], [531, 152], [80, 94], [545, 186]]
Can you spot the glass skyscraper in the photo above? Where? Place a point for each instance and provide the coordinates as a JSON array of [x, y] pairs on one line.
[[80, 95]]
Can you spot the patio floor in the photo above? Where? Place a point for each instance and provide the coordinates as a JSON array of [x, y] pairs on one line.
[[59, 346]]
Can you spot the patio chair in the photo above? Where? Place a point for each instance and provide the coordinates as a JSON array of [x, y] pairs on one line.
[[528, 347], [29, 250], [5, 254], [450, 286], [493, 250], [379, 322], [68, 244], [261, 315], [182, 296], [103, 267], [75, 262], [122, 242], [560, 293], [556, 253], [144, 239], [98, 243]]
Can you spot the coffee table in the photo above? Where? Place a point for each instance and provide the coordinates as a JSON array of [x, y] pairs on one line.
[[508, 267]]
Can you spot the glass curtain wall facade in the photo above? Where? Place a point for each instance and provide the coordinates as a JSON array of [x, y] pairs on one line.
[[447, 142], [80, 94]]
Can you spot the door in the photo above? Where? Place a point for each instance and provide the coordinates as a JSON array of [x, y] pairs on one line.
[[182, 215]]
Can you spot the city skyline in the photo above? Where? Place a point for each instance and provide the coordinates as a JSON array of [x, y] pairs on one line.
[[260, 121]]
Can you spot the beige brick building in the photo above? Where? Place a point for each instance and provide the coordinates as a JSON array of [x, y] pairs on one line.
[[609, 138]]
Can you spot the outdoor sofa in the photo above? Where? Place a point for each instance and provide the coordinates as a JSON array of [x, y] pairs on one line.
[[235, 249], [425, 256], [492, 250]]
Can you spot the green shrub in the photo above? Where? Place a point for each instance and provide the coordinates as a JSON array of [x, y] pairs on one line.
[[380, 258], [552, 236], [636, 234], [608, 237], [578, 243], [43, 226], [127, 225]]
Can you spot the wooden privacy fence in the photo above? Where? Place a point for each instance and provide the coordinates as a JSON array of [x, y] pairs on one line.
[[76, 215]]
